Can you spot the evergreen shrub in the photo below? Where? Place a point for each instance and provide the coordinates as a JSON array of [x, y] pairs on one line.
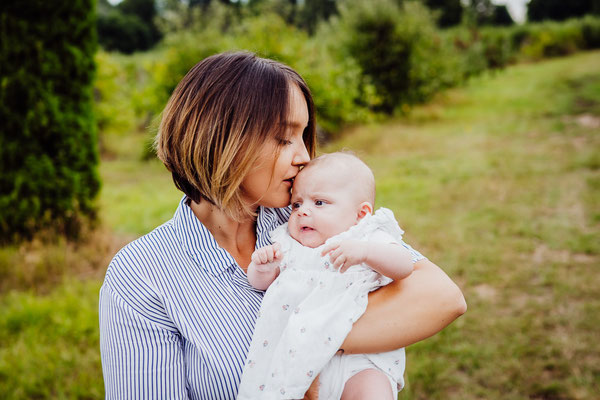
[[399, 50], [590, 30], [48, 149]]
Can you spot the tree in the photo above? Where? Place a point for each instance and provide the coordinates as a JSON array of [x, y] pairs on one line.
[[48, 145], [501, 16], [129, 26], [314, 11], [450, 11], [559, 10], [484, 12]]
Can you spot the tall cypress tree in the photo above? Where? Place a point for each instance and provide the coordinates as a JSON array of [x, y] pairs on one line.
[[48, 146]]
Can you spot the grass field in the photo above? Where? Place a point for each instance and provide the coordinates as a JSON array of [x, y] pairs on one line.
[[497, 182]]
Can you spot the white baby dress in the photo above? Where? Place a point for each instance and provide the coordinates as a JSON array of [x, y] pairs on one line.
[[308, 311]]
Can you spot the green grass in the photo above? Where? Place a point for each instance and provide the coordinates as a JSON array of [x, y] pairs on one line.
[[136, 196], [49, 344], [497, 182]]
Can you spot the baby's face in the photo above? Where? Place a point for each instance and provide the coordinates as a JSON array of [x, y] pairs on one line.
[[323, 205]]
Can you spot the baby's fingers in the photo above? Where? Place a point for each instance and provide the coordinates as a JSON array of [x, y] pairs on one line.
[[278, 255], [339, 261], [269, 253], [329, 247], [256, 257]]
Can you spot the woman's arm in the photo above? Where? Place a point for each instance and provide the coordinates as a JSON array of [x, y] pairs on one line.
[[140, 358], [407, 311]]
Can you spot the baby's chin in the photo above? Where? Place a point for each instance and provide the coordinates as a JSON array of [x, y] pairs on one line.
[[308, 241]]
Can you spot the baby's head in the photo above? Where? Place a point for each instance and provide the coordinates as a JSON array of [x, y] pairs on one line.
[[330, 194]]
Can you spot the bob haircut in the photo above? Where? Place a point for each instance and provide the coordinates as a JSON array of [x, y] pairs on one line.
[[220, 114]]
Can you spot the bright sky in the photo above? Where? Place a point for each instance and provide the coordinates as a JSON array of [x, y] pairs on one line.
[[516, 8]]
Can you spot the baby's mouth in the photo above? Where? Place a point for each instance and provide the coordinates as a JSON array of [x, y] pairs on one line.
[[306, 229]]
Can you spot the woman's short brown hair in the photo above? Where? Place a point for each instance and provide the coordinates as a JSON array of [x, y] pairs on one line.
[[218, 116]]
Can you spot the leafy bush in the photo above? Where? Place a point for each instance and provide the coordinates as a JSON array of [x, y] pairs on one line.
[[496, 47], [124, 33], [128, 27], [500, 46], [48, 155], [590, 30], [398, 49], [551, 39]]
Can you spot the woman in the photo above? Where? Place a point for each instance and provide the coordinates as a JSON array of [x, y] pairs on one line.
[[176, 310]]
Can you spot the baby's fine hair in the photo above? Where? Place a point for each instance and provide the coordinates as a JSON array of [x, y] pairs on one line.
[[357, 173]]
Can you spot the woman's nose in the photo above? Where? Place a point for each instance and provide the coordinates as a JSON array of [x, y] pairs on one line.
[[301, 157]]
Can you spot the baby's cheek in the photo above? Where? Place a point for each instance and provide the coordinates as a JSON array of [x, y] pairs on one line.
[[293, 228]]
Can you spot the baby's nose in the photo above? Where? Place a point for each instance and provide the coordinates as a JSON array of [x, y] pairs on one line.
[[303, 210]]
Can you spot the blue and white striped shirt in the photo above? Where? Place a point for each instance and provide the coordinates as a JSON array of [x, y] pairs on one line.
[[177, 314]]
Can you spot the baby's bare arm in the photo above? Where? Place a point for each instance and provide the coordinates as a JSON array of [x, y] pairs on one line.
[[264, 267], [389, 259]]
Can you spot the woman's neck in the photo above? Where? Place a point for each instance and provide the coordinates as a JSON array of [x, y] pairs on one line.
[[238, 238]]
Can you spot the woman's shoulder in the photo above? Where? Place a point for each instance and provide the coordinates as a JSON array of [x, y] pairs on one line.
[[137, 263], [133, 278]]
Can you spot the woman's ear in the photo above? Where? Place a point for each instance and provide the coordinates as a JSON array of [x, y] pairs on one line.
[[364, 209]]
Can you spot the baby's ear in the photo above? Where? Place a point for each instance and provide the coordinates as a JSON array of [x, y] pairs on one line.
[[364, 209]]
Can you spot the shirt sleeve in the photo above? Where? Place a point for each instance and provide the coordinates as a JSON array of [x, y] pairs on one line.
[[140, 358]]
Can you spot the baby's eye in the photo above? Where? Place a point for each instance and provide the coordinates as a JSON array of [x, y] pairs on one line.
[[319, 202], [295, 205]]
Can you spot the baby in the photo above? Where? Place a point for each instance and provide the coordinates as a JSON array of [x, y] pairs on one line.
[[319, 270]]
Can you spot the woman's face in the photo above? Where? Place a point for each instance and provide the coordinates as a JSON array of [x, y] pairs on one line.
[[270, 181]]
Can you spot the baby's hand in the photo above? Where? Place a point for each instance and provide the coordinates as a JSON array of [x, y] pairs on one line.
[[347, 253], [267, 258]]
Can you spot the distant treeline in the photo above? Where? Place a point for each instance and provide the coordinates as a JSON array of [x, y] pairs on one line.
[[138, 25], [369, 59]]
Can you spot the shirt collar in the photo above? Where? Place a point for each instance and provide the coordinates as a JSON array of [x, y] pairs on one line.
[[201, 245]]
